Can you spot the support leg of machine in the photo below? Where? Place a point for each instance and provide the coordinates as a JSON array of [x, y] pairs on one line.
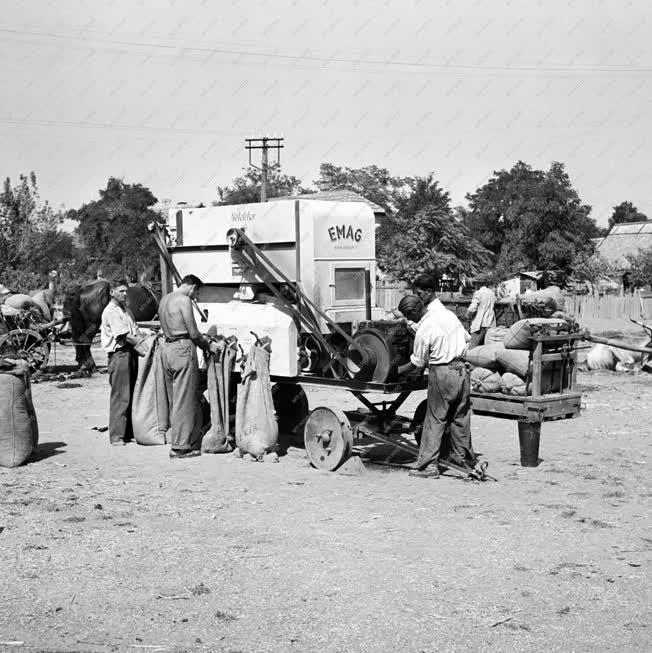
[[529, 434]]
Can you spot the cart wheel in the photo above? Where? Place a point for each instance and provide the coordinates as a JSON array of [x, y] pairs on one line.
[[28, 345], [416, 426], [328, 438], [291, 406]]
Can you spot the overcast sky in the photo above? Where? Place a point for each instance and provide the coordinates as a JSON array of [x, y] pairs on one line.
[[164, 93]]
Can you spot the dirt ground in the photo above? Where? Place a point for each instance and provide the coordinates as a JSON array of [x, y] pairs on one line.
[[121, 549]]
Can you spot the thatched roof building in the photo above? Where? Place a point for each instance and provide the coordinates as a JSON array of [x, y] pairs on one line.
[[624, 239]]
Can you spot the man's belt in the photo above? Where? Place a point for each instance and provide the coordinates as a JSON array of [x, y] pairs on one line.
[[456, 361], [184, 336]]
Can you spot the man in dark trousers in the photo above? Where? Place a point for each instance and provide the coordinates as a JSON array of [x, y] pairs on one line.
[[119, 334], [179, 361], [440, 343]]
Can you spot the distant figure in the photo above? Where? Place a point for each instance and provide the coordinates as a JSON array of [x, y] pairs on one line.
[[44, 299], [179, 360], [482, 311]]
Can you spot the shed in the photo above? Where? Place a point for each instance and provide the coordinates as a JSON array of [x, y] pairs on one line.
[[624, 239]]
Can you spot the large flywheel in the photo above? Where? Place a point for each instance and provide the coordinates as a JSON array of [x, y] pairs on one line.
[[328, 438], [371, 360]]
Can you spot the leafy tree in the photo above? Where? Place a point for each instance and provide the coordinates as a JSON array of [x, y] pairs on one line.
[[434, 241], [640, 272], [626, 212], [113, 230], [372, 182], [31, 242], [531, 219], [246, 189], [593, 268]]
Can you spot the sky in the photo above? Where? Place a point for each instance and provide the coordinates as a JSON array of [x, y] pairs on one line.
[[164, 93]]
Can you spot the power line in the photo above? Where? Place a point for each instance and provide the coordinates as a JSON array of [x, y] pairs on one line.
[[117, 126], [299, 58]]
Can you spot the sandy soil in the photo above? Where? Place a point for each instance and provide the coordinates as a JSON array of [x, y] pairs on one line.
[[121, 549]]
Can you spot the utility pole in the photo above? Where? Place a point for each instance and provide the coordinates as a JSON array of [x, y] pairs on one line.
[[264, 144]]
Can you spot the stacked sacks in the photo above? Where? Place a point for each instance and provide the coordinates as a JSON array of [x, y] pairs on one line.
[[18, 425], [484, 380], [518, 335]]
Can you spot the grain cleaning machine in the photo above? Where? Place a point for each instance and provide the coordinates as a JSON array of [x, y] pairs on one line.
[[302, 272]]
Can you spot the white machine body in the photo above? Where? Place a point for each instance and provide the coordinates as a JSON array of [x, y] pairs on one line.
[[324, 247]]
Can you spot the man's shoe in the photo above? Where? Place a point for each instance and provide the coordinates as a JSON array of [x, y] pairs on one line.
[[118, 443], [185, 453], [429, 472]]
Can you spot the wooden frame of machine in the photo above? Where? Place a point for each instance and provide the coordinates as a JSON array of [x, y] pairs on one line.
[[302, 272]]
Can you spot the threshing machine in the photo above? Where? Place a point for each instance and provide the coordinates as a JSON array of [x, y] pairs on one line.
[[303, 273]]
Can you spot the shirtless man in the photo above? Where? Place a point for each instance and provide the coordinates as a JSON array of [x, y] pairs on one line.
[[179, 360]]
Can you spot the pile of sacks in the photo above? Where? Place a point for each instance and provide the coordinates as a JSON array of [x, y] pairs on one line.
[[503, 362], [251, 433]]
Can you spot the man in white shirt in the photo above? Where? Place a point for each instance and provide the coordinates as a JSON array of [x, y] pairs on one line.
[[482, 310], [440, 343], [119, 334]]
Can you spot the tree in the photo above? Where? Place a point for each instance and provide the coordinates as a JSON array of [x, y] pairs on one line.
[[31, 243], [246, 189], [626, 212], [593, 268], [531, 219], [434, 241], [640, 272], [113, 230]]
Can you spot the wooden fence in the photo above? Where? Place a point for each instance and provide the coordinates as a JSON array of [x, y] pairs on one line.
[[610, 307]]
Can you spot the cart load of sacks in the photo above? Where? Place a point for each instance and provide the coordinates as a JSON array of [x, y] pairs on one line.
[[251, 432], [503, 363]]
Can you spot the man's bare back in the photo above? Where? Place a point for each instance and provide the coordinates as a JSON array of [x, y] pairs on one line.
[[176, 316]]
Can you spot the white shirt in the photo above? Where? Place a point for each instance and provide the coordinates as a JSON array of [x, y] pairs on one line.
[[440, 337], [116, 322], [482, 305]]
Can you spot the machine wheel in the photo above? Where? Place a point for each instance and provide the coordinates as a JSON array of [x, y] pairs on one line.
[[291, 406], [416, 426], [328, 438], [28, 345]]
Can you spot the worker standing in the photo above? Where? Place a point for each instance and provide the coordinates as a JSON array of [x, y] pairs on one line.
[[482, 310], [440, 343], [119, 335], [179, 361]]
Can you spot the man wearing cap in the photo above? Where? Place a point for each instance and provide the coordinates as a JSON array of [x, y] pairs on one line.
[[482, 310], [439, 344]]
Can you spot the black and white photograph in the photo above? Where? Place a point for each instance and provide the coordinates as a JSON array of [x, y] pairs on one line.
[[325, 326]]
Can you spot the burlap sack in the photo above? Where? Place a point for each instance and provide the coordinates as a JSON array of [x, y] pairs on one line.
[[256, 429], [149, 410], [18, 424], [484, 380], [495, 334], [484, 356], [510, 384], [518, 335], [516, 361]]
